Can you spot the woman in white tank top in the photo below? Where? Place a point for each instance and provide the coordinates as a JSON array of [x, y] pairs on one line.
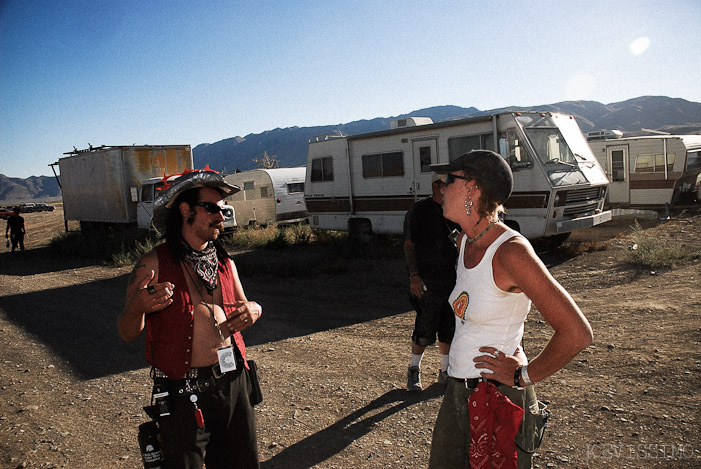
[[498, 276]]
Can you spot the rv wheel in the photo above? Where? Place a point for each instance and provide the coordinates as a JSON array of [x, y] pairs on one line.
[[360, 229]]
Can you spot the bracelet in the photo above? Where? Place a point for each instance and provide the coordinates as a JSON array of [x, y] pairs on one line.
[[526, 378], [517, 377], [413, 275]]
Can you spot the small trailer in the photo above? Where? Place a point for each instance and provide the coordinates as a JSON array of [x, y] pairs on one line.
[[651, 171], [268, 196], [366, 183]]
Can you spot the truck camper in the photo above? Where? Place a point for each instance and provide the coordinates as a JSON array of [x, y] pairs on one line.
[[650, 171], [366, 183], [268, 196]]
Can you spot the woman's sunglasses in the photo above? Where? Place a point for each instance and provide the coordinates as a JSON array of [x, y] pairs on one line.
[[450, 178], [211, 207]]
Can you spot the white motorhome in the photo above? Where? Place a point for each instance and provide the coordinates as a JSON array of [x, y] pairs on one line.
[[269, 196], [651, 170], [366, 183]]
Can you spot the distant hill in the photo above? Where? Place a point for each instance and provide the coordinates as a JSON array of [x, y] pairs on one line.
[[634, 117], [14, 190]]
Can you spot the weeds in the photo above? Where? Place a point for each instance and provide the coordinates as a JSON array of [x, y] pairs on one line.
[[576, 248], [112, 247], [653, 252], [277, 250]]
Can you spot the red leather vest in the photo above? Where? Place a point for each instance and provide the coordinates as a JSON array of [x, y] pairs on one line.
[[169, 331]]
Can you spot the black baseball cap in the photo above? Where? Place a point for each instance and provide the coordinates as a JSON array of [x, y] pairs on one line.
[[489, 168]]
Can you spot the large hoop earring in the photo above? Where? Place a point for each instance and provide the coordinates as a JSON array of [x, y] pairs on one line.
[[468, 207]]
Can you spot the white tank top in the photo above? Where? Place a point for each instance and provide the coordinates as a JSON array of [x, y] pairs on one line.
[[485, 315]]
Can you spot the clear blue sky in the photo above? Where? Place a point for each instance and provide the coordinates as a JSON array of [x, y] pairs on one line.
[[119, 72]]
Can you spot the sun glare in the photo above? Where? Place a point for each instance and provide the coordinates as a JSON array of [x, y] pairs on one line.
[[640, 45]]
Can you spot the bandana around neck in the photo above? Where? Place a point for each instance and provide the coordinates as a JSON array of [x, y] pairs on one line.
[[204, 263]]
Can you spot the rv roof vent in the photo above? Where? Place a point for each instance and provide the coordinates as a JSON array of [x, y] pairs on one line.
[[410, 122], [604, 134]]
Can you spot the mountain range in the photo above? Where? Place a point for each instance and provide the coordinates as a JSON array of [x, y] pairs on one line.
[[644, 115]]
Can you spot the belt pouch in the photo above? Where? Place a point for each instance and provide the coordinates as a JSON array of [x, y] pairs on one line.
[[256, 395]]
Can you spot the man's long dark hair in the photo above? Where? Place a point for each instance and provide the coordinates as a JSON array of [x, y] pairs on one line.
[[174, 225]]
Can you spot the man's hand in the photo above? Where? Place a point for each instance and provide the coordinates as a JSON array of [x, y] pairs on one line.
[[143, 298], [241, 315], [417, 286]]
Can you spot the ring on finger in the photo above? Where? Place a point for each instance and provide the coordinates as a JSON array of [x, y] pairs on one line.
[[151, 289], [496, 354]]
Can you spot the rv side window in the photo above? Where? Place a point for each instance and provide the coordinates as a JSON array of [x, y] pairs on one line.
[[512, 150], [264, 192], [653, 163], [322, 169], [459, 145], [383, 165], [693, 160], [295, 187], [248, 185]]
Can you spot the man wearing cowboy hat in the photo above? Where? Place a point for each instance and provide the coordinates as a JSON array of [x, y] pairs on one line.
[[187, 296]]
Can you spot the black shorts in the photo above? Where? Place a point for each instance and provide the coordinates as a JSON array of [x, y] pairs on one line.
[[434, 316]]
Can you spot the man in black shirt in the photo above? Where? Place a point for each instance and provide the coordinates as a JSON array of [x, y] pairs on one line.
[[430, 254], [15, 226]]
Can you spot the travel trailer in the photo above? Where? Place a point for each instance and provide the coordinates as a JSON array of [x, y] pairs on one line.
[[651, 171], [366, 183], [269, 196]]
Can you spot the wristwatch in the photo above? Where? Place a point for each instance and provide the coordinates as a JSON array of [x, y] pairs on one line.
[[517, 377]]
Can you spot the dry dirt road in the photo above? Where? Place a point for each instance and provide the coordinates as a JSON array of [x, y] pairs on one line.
[[333, 350]]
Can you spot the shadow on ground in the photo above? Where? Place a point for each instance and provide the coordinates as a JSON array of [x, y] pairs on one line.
[[333, 439], [78, 322]]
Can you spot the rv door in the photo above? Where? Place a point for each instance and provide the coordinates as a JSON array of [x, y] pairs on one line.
[[618, 164], [424, 155]]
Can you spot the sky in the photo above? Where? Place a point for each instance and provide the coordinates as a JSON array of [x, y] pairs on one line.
[[157, 72]]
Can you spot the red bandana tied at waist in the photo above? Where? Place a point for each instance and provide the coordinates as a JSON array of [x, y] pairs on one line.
[[494, 423]]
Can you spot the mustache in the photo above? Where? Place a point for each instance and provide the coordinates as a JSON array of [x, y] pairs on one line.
[[217, 225]]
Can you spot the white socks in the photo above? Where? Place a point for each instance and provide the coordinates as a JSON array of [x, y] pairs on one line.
[[416, 360]]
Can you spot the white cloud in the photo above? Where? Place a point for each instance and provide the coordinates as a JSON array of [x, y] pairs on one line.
[[580, 87], [640, 45]]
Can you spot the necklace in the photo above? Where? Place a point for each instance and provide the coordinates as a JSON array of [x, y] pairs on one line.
[[484, 231], [216, 323]]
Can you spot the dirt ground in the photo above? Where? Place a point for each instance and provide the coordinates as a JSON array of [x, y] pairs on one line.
[[333, 350]]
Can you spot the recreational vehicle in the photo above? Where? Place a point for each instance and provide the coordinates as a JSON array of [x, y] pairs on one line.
[[366, 183], [268, 196], [652, 170]]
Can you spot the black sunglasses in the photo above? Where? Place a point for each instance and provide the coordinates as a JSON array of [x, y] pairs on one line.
[[450, 178], [211, 207]]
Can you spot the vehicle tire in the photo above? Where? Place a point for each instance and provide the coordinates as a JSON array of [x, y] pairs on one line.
[[360, 229], [549, 243]]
